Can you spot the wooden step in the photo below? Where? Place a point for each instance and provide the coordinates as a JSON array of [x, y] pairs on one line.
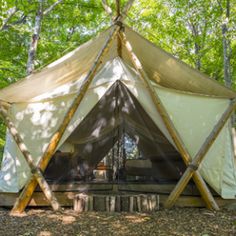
[[116, 203]]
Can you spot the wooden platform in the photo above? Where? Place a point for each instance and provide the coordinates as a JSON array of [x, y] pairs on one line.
[[116, 202], [148, 187], [66, 194]]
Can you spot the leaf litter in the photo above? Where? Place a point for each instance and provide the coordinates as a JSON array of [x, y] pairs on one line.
[[176, 221]]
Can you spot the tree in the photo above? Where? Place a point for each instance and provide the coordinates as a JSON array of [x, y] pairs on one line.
[[40, 13], [225, 9]]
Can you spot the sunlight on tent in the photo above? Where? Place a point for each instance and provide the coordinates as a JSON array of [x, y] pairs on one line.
[[7, 177], [62, 59], [156, 76]]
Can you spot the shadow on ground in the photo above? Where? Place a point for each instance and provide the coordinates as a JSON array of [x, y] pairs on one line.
[[176, 221]]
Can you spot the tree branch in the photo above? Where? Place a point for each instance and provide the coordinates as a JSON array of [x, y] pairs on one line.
[[107, 7], [49, 9], [11, 12]]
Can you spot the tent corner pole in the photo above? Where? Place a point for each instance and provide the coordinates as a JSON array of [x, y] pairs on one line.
[[206, 194]]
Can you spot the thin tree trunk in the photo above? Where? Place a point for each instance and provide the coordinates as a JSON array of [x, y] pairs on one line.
[[197, 47], [107, 8], [226, 47], [35, 38], [198, 57], [11, 12], [36, 35]]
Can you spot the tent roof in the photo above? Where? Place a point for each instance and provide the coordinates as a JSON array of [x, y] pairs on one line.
[[71, 67], [161, 67], [170, 72]]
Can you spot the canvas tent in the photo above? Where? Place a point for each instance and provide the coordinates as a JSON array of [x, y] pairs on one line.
[[194, 103]]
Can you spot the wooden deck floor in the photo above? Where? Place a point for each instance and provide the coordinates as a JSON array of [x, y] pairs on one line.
[[65, 193]]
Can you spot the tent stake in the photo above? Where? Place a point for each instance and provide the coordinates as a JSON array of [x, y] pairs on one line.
[[200, 155], [29, 159], [206, 194]]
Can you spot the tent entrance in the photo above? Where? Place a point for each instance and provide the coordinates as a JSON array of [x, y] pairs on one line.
[[117, 142]]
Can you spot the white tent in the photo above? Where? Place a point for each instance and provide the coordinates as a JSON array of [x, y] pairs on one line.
[[194, 103]]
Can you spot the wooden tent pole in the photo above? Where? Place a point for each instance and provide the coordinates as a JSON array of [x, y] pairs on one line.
[[27, 192], [200, 155], [117, 8], [29, 159], [206, 194], [122, 15], [29, 188], [126, 8], [5, 105]]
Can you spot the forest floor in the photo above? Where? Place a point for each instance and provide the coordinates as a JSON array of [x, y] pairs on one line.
[[177, 221]]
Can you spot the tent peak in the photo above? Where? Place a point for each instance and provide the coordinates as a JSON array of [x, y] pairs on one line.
[[118, 13]]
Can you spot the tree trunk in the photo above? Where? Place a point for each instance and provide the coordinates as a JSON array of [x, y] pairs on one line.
[[198, 57], [226, 47], [197, 47], [35, 38], [36, 34]]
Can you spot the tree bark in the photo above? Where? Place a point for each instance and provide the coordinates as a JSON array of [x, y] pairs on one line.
[[226, 47], [36, 35], [49, 9], [35, 38], [197, 47], [107, 8], [198, 57]]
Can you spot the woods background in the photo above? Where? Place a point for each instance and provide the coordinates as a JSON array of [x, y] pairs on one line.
[[34, 33]]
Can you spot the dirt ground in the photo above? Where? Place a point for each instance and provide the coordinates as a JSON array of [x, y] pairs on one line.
[[177, 221]]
